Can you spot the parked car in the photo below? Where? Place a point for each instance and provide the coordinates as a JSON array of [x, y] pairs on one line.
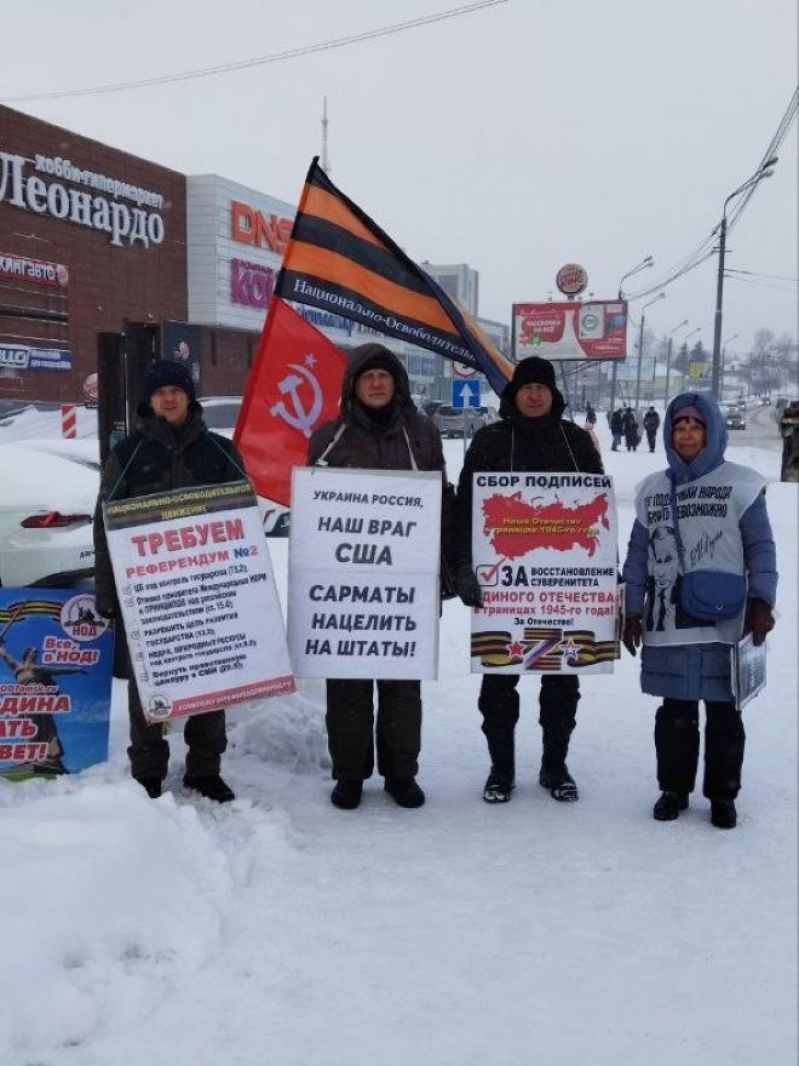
[[429, 407], [734, 416], [220, 414], [49, 492], [462, 421]]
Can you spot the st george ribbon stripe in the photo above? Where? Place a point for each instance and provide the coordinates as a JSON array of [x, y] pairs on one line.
[[340, 260]]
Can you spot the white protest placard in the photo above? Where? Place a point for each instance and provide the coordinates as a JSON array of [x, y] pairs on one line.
[[545, 553], [364, 573], [198, 597]]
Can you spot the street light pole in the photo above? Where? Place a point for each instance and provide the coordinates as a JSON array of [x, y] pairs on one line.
[[764, 171], [723, 363], [668, 359], [643, 265], [660, 296], [697, 329]]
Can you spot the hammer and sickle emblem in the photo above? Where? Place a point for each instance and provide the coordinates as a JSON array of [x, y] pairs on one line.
[[298, 417]]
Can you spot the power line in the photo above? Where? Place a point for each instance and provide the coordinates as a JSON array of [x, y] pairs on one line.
[[275, 57], [757, 274], [760, 284], [705, 250]]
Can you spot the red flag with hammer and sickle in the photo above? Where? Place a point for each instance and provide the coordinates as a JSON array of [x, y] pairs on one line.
[[294, 386]]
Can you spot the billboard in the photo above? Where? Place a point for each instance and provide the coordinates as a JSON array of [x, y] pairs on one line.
[[595, 330]]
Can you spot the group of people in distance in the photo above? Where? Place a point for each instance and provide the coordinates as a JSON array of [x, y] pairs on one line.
[[624, 423], [684, 660]]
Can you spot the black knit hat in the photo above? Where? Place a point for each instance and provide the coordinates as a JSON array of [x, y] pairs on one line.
[[167, 372], [534, 371], [373, 357]]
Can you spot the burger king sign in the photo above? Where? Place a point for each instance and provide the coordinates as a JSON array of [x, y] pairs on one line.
[[571, 279]]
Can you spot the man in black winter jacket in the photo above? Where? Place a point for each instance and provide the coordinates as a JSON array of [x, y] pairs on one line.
[[171, 448], [379, 428], [531, 436], [651, 426]]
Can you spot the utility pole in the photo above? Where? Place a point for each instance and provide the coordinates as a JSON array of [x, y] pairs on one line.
[[643, 265], [765, 170], [325, 161], [668, 360], [660, 296]]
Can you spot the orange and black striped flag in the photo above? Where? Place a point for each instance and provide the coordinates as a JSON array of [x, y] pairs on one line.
[[338, 259]]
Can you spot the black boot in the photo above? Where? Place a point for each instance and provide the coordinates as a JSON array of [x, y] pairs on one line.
[[497, 788], [405, 792], [723, 814], [347, 794], [212, 787], [500, 781], [560, 783], [669, 805], [152, 785]]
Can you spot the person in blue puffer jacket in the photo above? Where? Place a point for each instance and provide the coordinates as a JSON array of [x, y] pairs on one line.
[[724, 526]]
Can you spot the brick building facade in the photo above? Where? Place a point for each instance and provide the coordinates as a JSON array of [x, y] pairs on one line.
[[89, 237]]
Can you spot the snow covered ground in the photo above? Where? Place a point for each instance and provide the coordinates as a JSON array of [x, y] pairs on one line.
[[281, 931]]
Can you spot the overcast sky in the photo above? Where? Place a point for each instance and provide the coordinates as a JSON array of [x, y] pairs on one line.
[[514, 138]]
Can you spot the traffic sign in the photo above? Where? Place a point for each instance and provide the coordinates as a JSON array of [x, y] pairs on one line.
[[465, 393], [461, 371]]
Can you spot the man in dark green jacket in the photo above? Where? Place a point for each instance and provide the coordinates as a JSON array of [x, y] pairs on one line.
[[379, 428], [531, 436], [170, 448]]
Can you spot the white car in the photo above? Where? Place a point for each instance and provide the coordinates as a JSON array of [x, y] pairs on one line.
[[49, 490], [220, 414]]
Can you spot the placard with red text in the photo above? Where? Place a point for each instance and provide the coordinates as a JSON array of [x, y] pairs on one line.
[[198, 597]]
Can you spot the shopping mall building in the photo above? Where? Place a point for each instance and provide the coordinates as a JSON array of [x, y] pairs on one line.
[[98, 247]]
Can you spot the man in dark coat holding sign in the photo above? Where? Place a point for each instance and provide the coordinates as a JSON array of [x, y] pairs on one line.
[[379, 428], [531, 436], [171, 448]]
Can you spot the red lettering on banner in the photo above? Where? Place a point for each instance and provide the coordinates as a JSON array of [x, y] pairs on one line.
[[251, 226]]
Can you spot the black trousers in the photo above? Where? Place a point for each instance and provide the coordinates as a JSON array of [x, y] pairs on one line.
[[351, 728], [677, 747], [205, 734], [557, 701]]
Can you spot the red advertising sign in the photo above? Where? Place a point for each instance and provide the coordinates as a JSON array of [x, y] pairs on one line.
[[596, 330], [23, 268]]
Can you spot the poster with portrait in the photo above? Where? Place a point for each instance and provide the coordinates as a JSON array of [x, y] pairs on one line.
[[544, 547], [56, 656]]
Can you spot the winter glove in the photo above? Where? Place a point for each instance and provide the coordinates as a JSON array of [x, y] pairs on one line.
[[467, 586], [631, 638], [759, 620]]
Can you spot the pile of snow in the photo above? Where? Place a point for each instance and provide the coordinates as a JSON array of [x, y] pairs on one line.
[[280, 930]]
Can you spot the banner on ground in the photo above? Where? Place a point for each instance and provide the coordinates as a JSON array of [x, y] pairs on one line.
[[545, 554], [596, 330], [340, 260], [56, 656], [198, 598], [294, 386], [363, 573]]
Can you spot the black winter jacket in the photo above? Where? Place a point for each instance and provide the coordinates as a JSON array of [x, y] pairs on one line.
[[355, 440], [155, 458], [362, 442], [517, 443]]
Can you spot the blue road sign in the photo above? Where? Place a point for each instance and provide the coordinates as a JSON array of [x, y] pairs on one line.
[[465, 393]]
